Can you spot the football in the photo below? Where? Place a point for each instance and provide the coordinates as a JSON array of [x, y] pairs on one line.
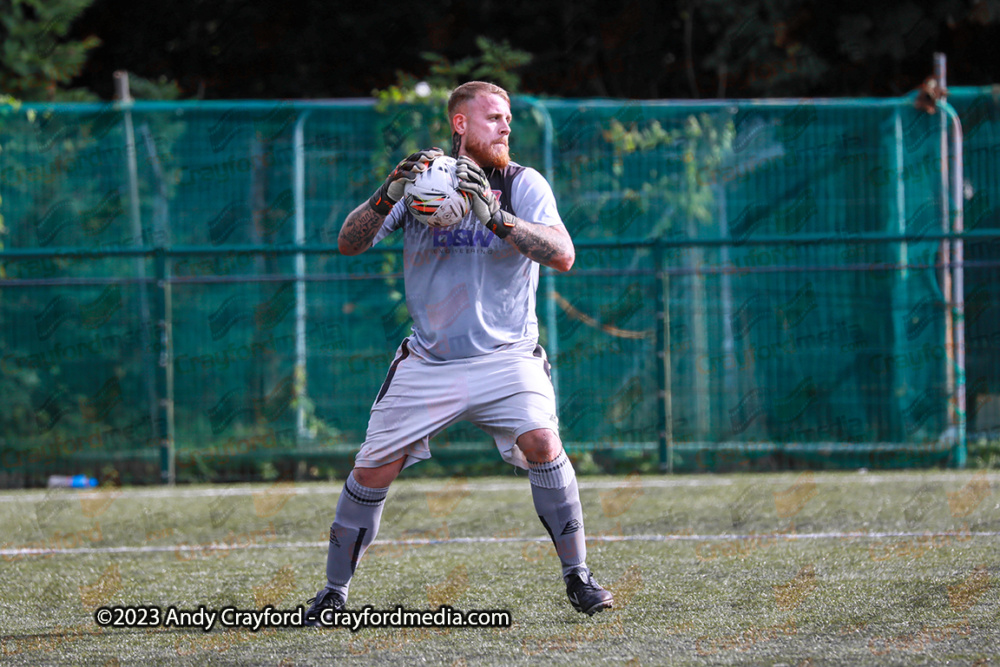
[[434, 198]]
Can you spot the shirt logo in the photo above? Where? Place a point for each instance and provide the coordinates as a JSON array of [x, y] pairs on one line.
[[456, 238]]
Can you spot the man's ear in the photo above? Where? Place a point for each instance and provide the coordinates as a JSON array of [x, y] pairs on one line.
[[459, 123]]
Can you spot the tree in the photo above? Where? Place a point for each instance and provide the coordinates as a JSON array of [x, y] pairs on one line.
[[37, 62]]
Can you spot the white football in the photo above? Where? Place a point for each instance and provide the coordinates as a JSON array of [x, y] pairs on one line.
[[434, 198]]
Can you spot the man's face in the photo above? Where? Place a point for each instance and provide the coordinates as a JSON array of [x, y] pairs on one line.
[[487, 127]]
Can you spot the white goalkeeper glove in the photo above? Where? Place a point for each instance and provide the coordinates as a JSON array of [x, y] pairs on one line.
[[391, 191]]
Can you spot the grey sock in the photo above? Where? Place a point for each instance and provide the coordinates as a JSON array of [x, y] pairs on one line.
[[355, 525], [557, 502]]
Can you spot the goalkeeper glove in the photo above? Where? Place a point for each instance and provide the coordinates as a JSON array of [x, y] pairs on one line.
[[391, 191], [473, 182]]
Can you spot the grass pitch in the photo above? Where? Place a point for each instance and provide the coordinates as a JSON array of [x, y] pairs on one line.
[[790, 569]]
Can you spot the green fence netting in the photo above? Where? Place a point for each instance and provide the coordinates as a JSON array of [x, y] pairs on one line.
[[757, 284]]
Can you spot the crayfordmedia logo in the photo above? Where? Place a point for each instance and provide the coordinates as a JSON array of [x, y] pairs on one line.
[[56, 218], [232, 216], [236, 403], [923, 313], [790, 407], [95, 408], [396, 321], [99, 592], [925, 220], [918, 129], [789, 218], [266, 222], [267, 125], [220, 510], [96, 219], [916, 414], [923, 501], [979, 112], [790, 595], [963, 595], [791, 313], [748, 127], [450, 590], [793, 216], [576, 129], [444, 313], [628, 304], [747, 315], [399, 128], [626, 400], [750, 504], [747, 221], [790, 501], [620, 214], [965, 501], [275, 590], [91, 221], [751, 405], [234, 310], [795, 122], [52, 128], [90, 315]]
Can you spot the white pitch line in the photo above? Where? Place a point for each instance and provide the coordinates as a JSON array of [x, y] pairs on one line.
[[455, 484], [311, 488], [10, 553]]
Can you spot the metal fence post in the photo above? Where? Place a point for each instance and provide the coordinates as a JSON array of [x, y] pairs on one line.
[[299, 185], [956, 262], [663, 376], [165, 375]]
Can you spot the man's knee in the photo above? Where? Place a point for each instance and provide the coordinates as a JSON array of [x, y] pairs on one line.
[[540, 446], [379, 477]]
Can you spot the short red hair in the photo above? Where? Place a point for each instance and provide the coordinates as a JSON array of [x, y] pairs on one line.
[[471, 90]]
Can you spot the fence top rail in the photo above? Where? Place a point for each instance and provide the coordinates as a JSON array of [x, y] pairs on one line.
[[326, 249], [554, 103], [191, 105], [825, 102]]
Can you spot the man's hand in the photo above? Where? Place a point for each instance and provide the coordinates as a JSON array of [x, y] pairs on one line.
[[473, 182], [392, 190]]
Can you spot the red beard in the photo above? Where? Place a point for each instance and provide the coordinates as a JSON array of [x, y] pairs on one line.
[[487, 155]]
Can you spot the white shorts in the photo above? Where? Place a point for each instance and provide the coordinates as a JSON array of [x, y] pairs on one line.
[[505, 393]]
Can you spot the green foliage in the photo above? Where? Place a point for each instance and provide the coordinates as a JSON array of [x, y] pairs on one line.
[[37, 62], [754, 49], [496, 63], [703, 142], [8, 105], [984, 452], [142, 88]]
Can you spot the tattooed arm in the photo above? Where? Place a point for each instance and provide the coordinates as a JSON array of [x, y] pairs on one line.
[[549, 246], [363, 223], [360, 227]]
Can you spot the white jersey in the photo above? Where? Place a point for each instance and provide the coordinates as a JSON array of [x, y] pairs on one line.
[[469, 292]]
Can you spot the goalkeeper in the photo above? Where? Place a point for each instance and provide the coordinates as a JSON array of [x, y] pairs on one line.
[[473, 354]]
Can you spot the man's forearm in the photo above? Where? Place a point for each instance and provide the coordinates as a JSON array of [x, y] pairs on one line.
[[360, 227], [549, 246]]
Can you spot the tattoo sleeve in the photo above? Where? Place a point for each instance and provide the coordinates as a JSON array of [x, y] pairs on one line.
[[549, 246], [359, 229]]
